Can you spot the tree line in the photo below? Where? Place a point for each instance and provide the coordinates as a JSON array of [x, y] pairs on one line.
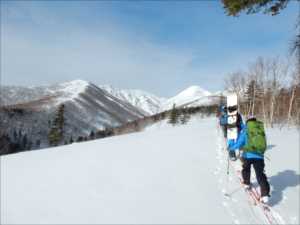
[[17, 142], [175, 116], [19, 139], [269, 89]]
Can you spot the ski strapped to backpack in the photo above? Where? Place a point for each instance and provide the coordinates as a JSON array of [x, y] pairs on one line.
[[256, 137]]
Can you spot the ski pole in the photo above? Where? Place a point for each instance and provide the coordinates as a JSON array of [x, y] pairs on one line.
[[227, 179], [228, 165]]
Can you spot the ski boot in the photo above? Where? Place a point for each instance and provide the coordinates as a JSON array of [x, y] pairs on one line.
[[247, 187], [264, 199], [232, 156]]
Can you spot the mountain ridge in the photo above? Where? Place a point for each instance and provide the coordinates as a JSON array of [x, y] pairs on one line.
[[146, 102], [87, 108]]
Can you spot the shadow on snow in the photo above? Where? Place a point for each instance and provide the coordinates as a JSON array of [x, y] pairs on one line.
[[269, 147], [280, 182]]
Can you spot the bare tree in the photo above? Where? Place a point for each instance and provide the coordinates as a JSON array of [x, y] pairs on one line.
[[278, 73], [264, 90], [264, 68], [236, 82], [257, 77], [295, 84]]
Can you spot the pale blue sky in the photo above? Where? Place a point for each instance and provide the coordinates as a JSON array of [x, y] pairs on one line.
[[158, 46]]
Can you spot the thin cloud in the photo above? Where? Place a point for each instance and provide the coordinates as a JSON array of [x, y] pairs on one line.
[[59, 53]]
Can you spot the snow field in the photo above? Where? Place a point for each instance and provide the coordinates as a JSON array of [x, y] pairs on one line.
[[162, 175]]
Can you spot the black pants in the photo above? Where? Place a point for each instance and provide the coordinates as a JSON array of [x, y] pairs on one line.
[[259, 165], [224, 128]]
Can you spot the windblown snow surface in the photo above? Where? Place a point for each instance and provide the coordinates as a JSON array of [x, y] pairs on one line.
[[162, 175]]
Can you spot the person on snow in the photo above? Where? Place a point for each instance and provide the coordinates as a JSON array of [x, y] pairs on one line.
[[223, 119], [251, 140]]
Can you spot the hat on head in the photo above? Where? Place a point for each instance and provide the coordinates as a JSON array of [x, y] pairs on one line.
[[251, 118]]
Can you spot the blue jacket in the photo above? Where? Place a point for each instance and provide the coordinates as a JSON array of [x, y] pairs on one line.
[[240, 142], [223, 119]]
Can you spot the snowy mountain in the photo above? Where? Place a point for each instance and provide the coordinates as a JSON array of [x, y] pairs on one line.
[[192, 96], [159, 176], [11, 95], [149, 103], [87, 107]]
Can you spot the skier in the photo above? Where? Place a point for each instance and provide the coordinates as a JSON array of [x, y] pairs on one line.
[[223, 119], [251, 139]]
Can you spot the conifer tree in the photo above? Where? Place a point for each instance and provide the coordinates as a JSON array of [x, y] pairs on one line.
[[92, 135], [19, 134], [235, 7], [184, 117], [80, 139], [38, 143], [61, 118], [29, 145], [24, 142], [71, 140], [174, 116], [5, 144], [56, 132], [15, 135]]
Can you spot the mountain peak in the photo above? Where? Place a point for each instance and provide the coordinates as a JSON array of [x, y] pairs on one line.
[[187, 96], [72, 89], [76, 83], [194, 91]]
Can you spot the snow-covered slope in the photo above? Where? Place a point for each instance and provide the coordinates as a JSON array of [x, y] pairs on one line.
[[149, 103], [87, 107], [64, 91], [174, 175], [68, 91], [192, 96]]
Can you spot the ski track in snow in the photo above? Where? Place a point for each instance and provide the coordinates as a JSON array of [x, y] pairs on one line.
[[230, 202], [223, 183]]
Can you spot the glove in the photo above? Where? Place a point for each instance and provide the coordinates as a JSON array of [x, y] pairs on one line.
[[230, 145]]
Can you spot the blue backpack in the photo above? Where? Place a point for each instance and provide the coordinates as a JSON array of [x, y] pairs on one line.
[[223, 119]]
